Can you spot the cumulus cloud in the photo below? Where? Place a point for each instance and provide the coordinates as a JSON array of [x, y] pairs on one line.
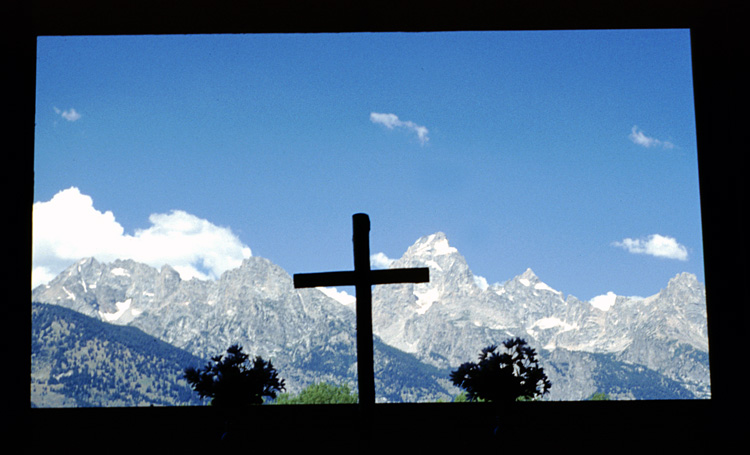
[[638, 137], [392, 121], [68, 227], [604, 302], [342, 297], [655, 245], [481, 282], [70, 115], [380, 261]]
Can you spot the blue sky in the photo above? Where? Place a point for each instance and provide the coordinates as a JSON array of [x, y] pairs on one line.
[[572, 152]]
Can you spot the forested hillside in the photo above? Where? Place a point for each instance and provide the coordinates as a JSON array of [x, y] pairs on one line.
[[78, 361]]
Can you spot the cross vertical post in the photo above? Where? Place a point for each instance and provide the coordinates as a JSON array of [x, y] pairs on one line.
[[363, 288], [362, 278]]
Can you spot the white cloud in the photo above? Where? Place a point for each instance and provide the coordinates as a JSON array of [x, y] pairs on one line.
[[391, 121], [655, 245], [481, 282], [639, 138], [70, 115], [68, 228], [380, 261], [604, 302], [340, 296]]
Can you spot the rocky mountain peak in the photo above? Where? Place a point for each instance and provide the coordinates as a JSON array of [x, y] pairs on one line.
[[529, 279], [529, 275], [168, 271], [443, 260], [684, 280], [431, 245], [88, 262], [264, 268], [684, 290], [169, 279]]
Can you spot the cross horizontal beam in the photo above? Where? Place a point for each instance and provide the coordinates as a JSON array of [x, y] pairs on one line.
[[373, 277], [363, 278]]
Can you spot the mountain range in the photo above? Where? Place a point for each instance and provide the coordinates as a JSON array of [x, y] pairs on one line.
[[627, 348]]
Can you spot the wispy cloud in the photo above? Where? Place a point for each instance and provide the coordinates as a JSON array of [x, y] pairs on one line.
[[655, 245], [70, 115], [68, 227], [392, 121], [639, 137]]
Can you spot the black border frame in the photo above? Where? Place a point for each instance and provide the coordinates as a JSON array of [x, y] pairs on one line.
[[717, 50]]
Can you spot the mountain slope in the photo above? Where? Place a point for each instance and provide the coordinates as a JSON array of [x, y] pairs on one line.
[[80, 361]]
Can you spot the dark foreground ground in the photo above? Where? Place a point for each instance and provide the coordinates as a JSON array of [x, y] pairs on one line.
[[586, 427]]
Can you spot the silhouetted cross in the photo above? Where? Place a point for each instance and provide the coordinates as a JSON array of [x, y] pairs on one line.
[[363, 278]]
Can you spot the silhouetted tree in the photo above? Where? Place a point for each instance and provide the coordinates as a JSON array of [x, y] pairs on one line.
[[232, 382], [503, 376]]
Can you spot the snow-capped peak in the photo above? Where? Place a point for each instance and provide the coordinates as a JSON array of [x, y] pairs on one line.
[[528, 278], [432, 245], [529, 275]]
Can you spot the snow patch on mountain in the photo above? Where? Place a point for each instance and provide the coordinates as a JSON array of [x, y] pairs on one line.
[[426, 299], [550, 322], [119, 271], [433, 265], [544, 287], [71, 296], [124, 314]]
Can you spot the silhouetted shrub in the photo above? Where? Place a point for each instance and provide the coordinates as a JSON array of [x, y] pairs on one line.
[[503, 376], [231, 382]]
